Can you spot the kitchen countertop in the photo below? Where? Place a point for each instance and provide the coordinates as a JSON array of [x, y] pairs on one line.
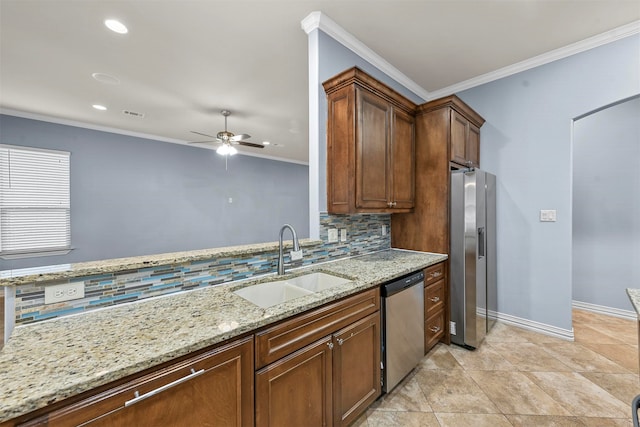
[[634, 296], [49, 361]]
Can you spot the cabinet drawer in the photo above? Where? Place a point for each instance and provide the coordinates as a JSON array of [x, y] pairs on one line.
[[278, 341], [433, 330], [433, 298], [434, 273]]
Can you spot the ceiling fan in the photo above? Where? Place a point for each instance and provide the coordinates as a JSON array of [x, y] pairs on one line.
[[227, 139]]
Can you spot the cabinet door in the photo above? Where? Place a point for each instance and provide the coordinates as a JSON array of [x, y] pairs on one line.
[[356, 368], [472, 151], [212, 389], [458, 141], [402, 160], [296, 390], [372, 144]]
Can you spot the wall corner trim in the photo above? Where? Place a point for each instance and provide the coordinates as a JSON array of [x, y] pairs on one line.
[[319, 20]]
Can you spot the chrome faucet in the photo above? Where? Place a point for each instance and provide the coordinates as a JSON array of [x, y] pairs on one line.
[[296, 253]]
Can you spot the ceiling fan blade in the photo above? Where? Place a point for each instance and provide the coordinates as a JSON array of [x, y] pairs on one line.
[[240, 137], [202, 134], [250, 144]]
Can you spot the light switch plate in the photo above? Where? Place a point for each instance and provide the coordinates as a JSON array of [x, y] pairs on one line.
[[547, 215]]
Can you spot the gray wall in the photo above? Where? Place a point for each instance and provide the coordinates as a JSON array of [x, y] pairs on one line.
[[526, 142], [133, 196], [606, 205], [333, 59]]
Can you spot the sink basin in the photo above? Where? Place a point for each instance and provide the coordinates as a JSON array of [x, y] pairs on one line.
[[317, 282], [271, 293]]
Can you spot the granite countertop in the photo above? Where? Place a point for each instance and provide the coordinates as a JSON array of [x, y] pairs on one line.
[[52, 360], [70, 271], [634, 296]]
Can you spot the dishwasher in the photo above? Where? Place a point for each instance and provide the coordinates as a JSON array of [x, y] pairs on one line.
[[402, 328]]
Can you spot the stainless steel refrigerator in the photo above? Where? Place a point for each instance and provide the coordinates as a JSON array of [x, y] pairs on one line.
[[472, 259]]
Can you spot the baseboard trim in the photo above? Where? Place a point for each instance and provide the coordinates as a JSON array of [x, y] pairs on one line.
[[531, 325], [601, 309]]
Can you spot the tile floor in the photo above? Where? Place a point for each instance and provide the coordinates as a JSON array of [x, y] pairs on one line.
[[522, 378]]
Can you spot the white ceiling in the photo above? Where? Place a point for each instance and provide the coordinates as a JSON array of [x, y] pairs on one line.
[[184, 61]]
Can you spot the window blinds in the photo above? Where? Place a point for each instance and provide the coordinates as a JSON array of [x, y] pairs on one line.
[[34, 200]]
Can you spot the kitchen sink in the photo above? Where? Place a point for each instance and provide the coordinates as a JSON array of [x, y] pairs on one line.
[[277, 292], [271, 293], [317, 282]]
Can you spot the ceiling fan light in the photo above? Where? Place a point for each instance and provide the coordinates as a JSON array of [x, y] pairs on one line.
[[223, 150], [232, 150]]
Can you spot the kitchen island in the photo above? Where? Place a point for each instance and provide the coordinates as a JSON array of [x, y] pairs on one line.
[[50, 361]]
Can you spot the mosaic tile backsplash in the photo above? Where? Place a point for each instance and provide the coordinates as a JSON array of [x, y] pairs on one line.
[[363, 236]]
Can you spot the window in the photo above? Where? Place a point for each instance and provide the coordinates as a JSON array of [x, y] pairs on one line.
[[34, 202]]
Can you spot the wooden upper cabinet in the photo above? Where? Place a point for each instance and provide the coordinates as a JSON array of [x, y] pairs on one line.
[[370, 146], [465, 137]]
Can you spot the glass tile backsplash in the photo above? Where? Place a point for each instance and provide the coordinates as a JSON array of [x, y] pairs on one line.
[[363, 235]]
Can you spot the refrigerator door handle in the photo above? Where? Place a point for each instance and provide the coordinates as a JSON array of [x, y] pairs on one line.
[[481, 243]]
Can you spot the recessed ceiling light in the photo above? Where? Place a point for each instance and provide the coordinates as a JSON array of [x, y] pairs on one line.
[[99, 107], [116, 26], [265, 143], [106, 78]]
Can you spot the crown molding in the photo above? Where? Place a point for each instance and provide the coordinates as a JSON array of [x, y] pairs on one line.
[[319, 20], [83, 125], [545, 58]]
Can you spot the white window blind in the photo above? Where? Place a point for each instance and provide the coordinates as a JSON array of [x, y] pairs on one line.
[[34, 201]]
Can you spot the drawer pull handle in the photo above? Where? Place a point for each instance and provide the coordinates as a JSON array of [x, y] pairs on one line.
[[138, 397], [435, 329], [435, 299], [436, 274]]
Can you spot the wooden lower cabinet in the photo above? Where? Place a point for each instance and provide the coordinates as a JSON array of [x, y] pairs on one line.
[[356, 369], [297, 389], [329, 382], [214, 388], [435, 308]]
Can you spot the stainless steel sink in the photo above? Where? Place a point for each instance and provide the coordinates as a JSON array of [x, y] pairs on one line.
[[277, 292]]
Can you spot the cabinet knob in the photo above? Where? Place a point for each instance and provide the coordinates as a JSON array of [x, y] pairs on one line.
[[330, 344], [435, 299], [340, 341]]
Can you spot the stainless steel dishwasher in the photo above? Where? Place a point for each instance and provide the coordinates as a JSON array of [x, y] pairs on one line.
[[402, 328]]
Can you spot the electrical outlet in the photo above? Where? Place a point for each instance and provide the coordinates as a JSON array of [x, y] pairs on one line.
[[333, 235], [452, 328], [548, 215], [63, 292], [343, 235], [384, 230]]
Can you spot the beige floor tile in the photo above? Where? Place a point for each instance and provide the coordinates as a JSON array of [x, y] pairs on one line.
[[361, 421], [454, 391], [528, 357], [502, 332], [625, 387], [544, 421], [401, 419], [407, 396], [606, 422], [579, 395], [603, 336], [484, 358], [581, 359], [515, 393], [475, 420], [439, 358], [622, 354]]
